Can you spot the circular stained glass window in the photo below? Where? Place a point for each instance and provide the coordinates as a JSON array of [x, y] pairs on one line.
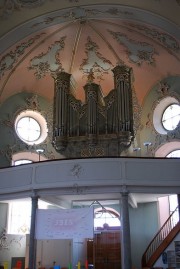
[[28, 129], [171, 117]]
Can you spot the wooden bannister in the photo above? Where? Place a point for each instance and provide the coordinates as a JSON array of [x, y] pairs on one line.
[[161, 240]]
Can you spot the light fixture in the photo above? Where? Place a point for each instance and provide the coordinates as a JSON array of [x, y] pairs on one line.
[[39, 151], [147, 144], [136, 150]]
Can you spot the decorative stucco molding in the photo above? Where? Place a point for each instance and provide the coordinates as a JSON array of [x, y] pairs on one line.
[[9, 60]]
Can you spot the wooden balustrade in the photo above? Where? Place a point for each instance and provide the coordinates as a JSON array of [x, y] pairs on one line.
[[161, 240]]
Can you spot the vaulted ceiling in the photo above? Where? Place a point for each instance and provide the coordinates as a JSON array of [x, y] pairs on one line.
[[39, 38]]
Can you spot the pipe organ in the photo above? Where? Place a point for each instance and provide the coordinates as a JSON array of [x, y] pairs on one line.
[[102, 126]]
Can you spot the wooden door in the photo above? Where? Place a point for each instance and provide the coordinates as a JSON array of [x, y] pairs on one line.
[[106, 250]]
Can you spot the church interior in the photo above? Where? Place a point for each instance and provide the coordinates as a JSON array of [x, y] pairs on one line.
[[89, 124]]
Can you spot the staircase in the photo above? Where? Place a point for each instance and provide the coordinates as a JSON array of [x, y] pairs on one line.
[[161, 240]]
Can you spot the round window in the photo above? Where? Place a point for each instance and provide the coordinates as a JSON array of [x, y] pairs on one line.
[[28, 129], [166, 115], [31, 127], [171, 117]]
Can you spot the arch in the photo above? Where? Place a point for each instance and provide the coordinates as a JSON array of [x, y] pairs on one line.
[[108, 219], [26, 155], [164, 150]]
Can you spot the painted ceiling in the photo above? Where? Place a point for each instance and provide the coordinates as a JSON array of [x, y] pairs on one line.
[[87, 41]]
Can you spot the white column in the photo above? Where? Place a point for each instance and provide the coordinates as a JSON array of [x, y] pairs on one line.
[[125, 236], [32, 240]]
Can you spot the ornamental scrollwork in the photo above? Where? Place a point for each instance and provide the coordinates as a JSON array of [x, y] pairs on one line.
[[95, 65], [9, 6], [48, 62], [166, 40], [76, 170], [8, 61], [138, 52]]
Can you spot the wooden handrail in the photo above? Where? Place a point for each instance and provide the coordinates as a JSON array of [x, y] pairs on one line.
[[170, 224]]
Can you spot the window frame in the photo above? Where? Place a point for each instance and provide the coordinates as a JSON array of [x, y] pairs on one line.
[[22, 137], [40, 120], [163, 115], [32, 156], [159, 110]]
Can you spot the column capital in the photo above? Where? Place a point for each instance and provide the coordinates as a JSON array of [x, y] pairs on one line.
[[34, 194], [124, 190]]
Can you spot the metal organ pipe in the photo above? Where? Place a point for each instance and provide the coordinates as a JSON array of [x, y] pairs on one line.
[[122, 76], [62, 87], [91, 91]]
